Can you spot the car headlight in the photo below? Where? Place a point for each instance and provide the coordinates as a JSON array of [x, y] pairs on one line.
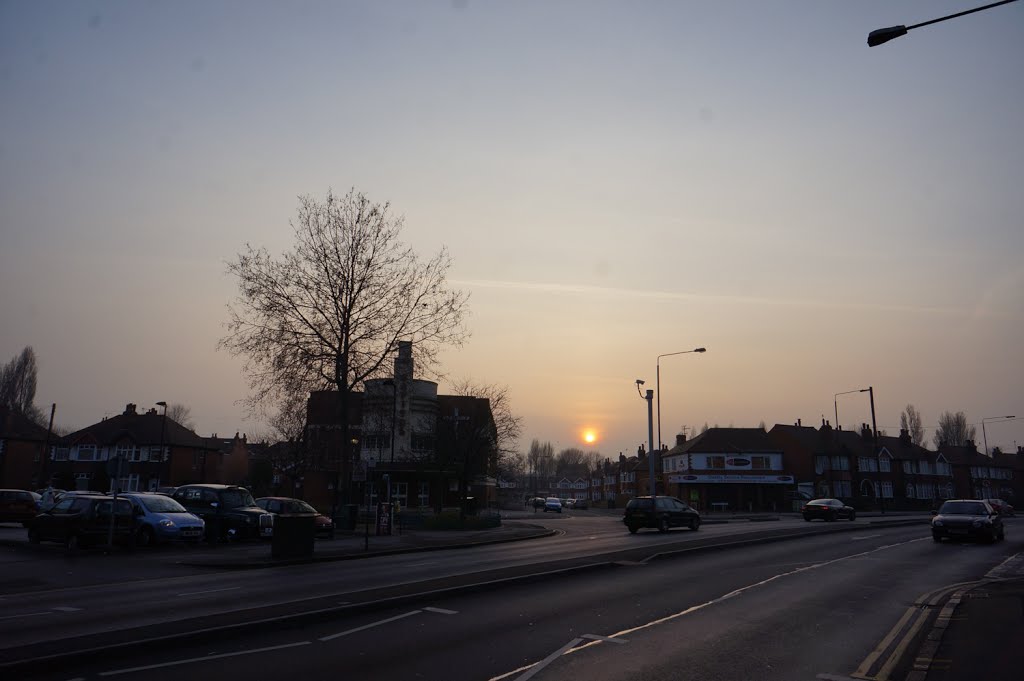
[[979, 523], [937, 523], [166, 523], [249, 520]]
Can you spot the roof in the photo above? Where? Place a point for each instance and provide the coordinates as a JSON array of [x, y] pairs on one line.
[[149, 428], [902, 448], [16, 426], [716, 440], [824, 440]]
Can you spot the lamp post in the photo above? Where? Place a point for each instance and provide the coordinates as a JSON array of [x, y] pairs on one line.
[[991, 418], [657, 382], [884, 35], [650, 434], [874, 438], [163, 429]]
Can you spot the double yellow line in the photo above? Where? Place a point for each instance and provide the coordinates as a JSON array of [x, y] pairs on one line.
[[902, 635]]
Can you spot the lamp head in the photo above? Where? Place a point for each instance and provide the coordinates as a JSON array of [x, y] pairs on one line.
[[639, 381], [161, 404], [701, 350]]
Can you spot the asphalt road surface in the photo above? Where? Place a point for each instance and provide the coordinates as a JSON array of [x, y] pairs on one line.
[[826, 607]]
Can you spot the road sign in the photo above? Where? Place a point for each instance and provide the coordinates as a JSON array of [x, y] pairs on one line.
[[359, 472]]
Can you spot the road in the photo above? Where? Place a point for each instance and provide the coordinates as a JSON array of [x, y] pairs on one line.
[[803, 609]]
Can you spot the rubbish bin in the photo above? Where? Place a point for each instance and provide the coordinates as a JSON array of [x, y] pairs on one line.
[[294, 535]]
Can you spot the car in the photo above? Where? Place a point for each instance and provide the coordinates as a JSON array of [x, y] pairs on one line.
[[827, 509], [160, 519], [229, 511], [553, 504], [967, 519], [324, 525], [18, 506], [1004, 508], [581, 504], [79, 520], [660, 513], [166, 491], [537, 502]]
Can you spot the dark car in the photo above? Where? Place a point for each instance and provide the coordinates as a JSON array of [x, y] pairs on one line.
[[324, 525], [159, 519], [1004, 508], [581, 504], [229, 511], [660, 513], [827, 509], [967, 519], [17, 506], [80, 520]]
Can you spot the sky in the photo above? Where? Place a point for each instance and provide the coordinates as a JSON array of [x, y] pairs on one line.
[[614, 181]]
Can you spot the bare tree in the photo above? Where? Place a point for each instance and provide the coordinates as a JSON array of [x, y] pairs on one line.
[[954, 430], [910, 421], [541, 458], [181, 414], [508, 426], [18, 385], [570, 461], [329, 313]]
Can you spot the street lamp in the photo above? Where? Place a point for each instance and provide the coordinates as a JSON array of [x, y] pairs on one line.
[[884, 35], [650, 433], [657, 382], [992, 418], [163, 428], [874, 439]]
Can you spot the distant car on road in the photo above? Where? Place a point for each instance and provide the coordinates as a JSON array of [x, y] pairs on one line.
[[1004, 508], [537, 502], [79, 520], [324, 525], [659, 513], [827, 509], [159, 519], [17, 506], [553, 504], [581, 504], [967, 519]]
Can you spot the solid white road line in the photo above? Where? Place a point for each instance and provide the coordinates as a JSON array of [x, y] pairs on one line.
[[442, 611], [370, 626], [66, 608], [25, 614], [204, 658]]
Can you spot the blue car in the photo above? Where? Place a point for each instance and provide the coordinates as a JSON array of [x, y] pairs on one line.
[[160, 519]]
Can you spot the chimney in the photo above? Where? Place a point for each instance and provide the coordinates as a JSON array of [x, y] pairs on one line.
[[799, 423], [905, 437], [680, 439], [640, 452], [865, 432], [129, 409]]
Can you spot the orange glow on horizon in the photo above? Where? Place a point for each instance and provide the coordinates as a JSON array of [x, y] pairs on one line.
[[589, 436]]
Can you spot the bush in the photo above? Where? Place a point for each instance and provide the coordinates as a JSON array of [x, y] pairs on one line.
[[451, 521]]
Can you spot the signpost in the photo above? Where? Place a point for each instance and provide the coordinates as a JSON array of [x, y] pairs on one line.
[[114, 467]]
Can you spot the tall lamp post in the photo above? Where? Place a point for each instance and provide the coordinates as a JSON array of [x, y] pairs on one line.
[[650, 434], [163, 429], [884, 35], [997, 419], [874, 438], [657, 382]]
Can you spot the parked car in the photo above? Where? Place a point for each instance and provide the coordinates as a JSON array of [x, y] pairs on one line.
[[166, 491], [17, 506], [324, 525], [660, 513], [79, 520], [1004, 508], [581, 504], [229, 511], [967, 519], [159, 519], [827, 509], [553, 504], [538, 502]]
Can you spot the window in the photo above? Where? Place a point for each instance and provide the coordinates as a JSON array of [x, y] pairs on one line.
[[924, 468], [886, 490], [87, 452], [424, 493], [716, 461], [376, 441], [128, 452], [400, 493], [129, 483], [820, 464], [761, 463], [60, 453], [842, 488], [866, 463], [884, 464], [840, 463], [943, 468], [910, 491], [155, 453], [422, 443]]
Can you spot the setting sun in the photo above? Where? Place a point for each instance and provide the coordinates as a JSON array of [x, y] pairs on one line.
[[589, 437]]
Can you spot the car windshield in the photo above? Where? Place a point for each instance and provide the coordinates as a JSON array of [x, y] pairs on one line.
[[236, 498], [963, 508], [161, 504], [639, 505]]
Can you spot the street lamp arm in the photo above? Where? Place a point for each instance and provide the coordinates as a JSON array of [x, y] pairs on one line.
[[884, 35]]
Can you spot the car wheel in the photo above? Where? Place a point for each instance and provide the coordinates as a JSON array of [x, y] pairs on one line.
[[831, 518], [145, 537], [632, 529], [853, 516], [937, 539], [33, 536], [807, 518], [695, 524], [663, 525]]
